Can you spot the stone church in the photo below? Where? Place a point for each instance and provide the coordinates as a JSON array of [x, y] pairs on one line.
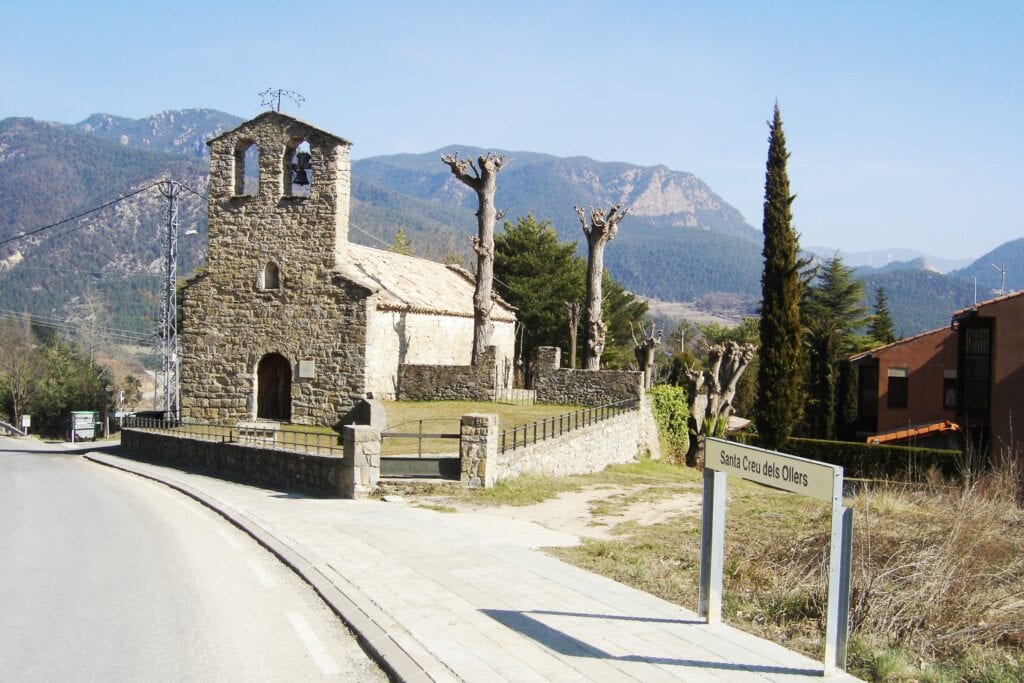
[[290, 321]]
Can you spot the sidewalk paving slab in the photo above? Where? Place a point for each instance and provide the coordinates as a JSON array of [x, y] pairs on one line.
[[447, 597]]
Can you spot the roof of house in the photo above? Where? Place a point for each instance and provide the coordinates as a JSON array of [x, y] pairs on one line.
[[878, 349], [284, 117], [971, 310], [407, 283]]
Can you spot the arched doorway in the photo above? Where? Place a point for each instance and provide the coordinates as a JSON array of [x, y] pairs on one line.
[[274, 388]]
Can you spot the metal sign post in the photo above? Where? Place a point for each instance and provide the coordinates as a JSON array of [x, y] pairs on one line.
[[789, 473]]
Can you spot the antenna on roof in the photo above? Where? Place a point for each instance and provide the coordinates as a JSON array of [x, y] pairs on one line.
[[1002, 278], [271, 97]]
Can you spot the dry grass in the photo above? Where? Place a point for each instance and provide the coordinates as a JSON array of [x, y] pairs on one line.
[[938, 575], [941, 571]]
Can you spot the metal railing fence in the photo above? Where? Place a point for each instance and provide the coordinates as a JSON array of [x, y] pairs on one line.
[[396, 434], [551, 427], [290, 440]]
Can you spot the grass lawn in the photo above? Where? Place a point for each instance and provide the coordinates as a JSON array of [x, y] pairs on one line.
[[444, 417]]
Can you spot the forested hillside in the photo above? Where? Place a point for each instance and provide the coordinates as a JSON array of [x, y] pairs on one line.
[[679, 242]]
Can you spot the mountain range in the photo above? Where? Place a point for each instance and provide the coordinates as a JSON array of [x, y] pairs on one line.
[[679, 242]]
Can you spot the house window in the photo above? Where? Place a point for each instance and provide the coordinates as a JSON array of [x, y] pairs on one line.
[[976, 366], [269, 277], [297, 174], [247, 169], [949, 389], [897, 389]]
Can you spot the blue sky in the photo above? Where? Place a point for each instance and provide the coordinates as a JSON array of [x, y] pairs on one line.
[[903, 119]]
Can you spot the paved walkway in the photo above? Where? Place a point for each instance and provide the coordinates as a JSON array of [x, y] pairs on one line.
[[449, 597]]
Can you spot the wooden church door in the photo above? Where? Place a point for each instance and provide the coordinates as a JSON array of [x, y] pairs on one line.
[[274, 388]]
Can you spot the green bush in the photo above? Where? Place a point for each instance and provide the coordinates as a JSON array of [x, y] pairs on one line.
[[671, 414], [874, 461]]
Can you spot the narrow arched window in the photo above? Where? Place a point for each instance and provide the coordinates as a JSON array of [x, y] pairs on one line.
[[298, 169], [270, 276], [247, 169]]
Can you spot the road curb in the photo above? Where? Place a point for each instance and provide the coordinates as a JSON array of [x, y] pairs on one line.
[[374, 639]]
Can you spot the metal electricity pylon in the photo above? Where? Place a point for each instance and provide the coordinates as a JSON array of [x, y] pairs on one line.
[[167, 379]]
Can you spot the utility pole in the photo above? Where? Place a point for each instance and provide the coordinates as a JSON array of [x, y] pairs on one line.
[[1002, 278], [168, 376]]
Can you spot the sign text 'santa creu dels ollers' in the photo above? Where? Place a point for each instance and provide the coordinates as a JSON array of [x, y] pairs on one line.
[[778, 470], [764, 467]]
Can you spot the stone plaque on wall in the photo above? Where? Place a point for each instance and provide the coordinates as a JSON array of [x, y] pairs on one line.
[[307, 369]]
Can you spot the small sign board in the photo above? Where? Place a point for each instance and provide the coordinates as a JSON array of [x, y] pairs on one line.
[[790, 473], [779, 470], [26, 421], [307, 369]]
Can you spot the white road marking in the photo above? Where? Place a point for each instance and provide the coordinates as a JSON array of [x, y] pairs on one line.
[[229, 539], [265, 578], [316, 648], [180, 499]]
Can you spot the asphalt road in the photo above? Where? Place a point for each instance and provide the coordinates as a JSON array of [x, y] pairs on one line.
[[107, 576]]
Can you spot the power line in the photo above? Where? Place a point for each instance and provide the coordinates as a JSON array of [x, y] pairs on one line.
[[66, 326], [54, 322], [84, 272], [36, 231], [368, 234]]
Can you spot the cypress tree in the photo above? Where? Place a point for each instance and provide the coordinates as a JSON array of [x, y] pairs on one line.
[[881, 323], [780, 372]]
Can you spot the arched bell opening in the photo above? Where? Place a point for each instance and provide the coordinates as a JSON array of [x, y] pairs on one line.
[[247, 169], [274, 388], [298, 169]]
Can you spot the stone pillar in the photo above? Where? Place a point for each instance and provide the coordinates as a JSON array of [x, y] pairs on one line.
[[361, 466], [478, 450]]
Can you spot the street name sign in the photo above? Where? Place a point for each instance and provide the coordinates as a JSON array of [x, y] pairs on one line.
[[788, 472], [810, 478]]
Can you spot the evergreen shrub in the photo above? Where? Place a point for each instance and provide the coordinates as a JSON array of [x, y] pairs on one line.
[[671, 414]]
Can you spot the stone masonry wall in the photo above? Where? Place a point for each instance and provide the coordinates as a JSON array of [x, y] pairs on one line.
[[613, 441], [555, 384], [395, 338], [230, 322], [449, 382], [317, 475]]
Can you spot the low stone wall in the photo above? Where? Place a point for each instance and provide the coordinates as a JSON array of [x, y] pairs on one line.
[[616, 440], [555, 384], [449, 382], [351, 476]]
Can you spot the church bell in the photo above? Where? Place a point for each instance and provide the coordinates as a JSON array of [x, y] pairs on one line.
[[300, 169]]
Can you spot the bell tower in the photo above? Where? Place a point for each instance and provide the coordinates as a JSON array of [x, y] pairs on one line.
[[278, 202]]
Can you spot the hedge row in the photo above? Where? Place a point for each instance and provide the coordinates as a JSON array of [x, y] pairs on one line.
[[874, 461]]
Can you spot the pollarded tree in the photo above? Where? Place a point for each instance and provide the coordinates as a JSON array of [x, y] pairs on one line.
[[482, 178], [644, 350], [537, 274], [780, 371], [711, 391], [601, 229], [881, 329]]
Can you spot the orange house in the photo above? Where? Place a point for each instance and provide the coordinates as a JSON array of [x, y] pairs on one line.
[[971, 373], [909, 387], [990, 340]]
